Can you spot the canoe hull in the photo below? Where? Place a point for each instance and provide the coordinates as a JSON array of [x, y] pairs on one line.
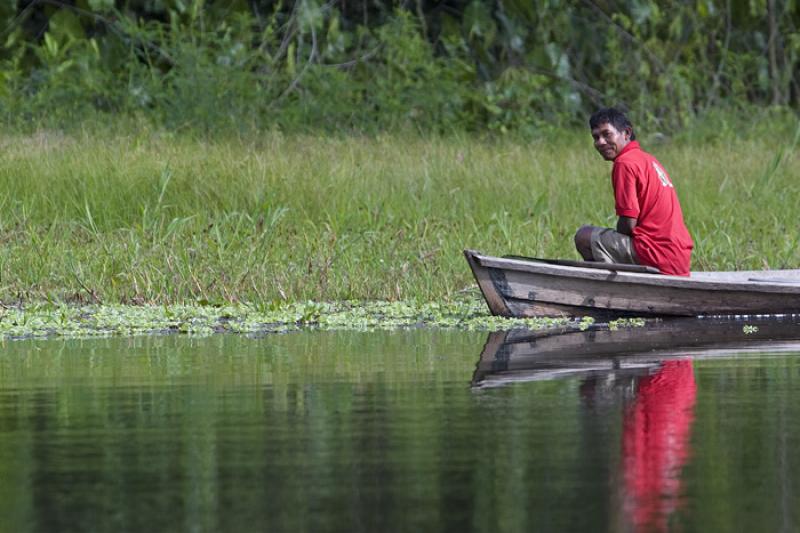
[[517, 288]]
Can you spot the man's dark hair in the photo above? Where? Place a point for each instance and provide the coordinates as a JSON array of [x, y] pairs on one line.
[[612, 116]]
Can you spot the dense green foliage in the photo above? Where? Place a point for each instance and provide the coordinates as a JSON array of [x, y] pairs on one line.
[[366, 65], [159, 217]]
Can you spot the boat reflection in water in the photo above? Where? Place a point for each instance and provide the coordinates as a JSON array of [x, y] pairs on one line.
[[526, 355], [652, 366]]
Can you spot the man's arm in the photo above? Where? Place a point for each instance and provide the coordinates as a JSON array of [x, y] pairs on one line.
[[625, 225]]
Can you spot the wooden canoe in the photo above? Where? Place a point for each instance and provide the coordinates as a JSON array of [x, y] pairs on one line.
[[526, 355], [527, 287]]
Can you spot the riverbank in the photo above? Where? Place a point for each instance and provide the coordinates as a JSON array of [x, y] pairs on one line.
[[142, 216]]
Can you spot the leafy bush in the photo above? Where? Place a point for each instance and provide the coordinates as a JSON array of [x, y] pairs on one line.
[[517, 66]]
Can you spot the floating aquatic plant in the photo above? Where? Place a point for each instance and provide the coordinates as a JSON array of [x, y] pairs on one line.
[[47, 320], [747, 329]]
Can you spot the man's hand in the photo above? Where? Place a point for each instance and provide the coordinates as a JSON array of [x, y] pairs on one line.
[[625, 225]]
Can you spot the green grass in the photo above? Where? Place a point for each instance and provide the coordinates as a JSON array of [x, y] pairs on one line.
[[154, 217]]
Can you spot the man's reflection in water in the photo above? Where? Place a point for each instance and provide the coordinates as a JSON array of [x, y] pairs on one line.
[[655, 444], [656, 430]]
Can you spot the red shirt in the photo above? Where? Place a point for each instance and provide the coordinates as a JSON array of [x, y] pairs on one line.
[[643, 190], [656, 444]]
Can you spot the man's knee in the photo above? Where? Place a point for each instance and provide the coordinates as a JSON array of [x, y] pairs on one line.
[[583, 241], [583, 237]]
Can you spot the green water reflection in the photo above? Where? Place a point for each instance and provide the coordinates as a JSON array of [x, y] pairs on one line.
[[337, 431]]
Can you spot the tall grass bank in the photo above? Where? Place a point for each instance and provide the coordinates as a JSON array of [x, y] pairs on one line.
[[151, 216]]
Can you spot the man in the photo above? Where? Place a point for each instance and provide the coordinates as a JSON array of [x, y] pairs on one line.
[[650, 230]]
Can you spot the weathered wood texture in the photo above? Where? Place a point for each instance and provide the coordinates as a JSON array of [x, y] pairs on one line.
[[614, 267], [495, 301], [533, 288]]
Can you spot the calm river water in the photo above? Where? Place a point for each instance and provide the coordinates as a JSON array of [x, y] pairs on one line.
[[420, 430]]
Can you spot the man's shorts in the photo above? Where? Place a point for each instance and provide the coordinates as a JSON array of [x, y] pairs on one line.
[[609, 246]]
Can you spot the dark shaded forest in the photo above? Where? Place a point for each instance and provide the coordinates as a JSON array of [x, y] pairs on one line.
[[372, 65]]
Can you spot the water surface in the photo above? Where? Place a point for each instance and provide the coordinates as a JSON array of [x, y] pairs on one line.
[[338, 431]]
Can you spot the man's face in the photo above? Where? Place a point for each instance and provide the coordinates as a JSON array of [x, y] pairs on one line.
[[609, 141]]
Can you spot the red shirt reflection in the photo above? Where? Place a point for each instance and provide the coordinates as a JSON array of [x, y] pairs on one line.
[[655, 444]]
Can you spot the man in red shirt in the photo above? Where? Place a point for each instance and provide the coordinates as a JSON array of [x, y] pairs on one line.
[[650, 229]]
